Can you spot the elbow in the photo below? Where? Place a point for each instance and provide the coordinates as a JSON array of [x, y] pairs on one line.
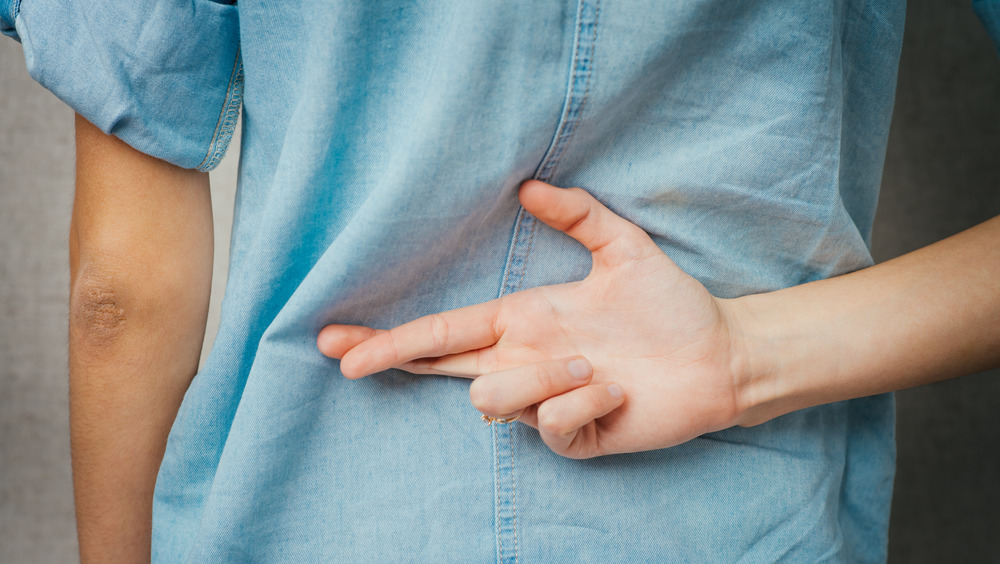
[[118, 306], [99, 311]]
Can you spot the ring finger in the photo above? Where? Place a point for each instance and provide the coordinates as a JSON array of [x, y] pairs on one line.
[[505, 394]]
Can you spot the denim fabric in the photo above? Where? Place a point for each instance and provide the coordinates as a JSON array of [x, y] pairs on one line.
[[8, 15], [989, 13], [383, 145], [165, 77]]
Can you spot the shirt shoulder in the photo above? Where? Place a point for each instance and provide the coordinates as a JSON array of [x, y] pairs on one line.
[[165, 77]]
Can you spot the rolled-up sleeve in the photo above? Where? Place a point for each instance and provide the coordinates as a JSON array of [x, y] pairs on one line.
[[164, 76], [989, 13], [8, 13]]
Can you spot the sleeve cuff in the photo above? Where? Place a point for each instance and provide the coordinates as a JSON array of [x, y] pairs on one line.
[[8, 17], [989, 14], [164, 77]]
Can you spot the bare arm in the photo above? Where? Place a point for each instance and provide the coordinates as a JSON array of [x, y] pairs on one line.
[[140, 269], [926, 316]]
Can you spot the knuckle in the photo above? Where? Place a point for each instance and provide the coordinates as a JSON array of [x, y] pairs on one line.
[[544, 378], [550, 423], [595, 400], [498, 322], [481, 395], [487, 361], [439, 330], [390, 341], [575, 452]]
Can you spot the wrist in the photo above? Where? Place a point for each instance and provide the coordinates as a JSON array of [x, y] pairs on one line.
[[760, 392], [745, 370]]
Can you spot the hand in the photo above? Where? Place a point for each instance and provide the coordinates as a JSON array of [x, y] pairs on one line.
[[636, 356]]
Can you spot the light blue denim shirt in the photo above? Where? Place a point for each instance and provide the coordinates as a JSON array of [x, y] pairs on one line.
[[383, 144]]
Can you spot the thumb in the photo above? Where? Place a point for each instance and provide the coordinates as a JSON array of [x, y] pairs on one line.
[[610, 238]]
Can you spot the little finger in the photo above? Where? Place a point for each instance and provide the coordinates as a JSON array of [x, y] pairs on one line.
[[561, 418]]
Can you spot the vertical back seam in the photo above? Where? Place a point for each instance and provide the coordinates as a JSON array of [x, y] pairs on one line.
[[522, 239], [513, 489], [579, 76], [496, 500]]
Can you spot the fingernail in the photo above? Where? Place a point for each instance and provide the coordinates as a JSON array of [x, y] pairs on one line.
[[616, 391], [579, 368]]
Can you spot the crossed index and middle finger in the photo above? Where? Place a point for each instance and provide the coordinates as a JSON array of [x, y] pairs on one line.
[[363, 351]]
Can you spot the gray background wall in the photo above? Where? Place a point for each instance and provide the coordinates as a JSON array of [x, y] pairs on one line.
[[942, 175]]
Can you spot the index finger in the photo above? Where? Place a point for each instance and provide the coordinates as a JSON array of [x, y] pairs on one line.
[[439, 334]]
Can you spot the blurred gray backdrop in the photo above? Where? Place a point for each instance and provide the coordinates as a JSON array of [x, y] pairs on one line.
[[942, 175]]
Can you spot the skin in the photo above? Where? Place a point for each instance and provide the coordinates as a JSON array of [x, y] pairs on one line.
[[140, 270], [664, 361]]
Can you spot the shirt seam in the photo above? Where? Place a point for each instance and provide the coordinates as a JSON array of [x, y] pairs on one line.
[[513, 488], [15, 10], [226, 126], [525, 226], [496, 486], [573, 105]]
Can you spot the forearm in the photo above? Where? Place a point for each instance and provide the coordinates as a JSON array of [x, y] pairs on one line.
[[125, 386], [140, 257], [929, 315]]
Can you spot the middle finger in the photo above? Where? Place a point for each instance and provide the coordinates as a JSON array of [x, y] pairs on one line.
[[505, 393]]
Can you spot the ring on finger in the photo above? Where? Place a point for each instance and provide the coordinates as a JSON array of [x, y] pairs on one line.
[[491, 420]]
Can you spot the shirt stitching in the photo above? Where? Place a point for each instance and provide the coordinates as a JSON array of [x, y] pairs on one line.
[[527, 252], [226, 126], [579, 79], [577, 93], [512, 252], [496, 485], [584, 67], [513, 488]]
